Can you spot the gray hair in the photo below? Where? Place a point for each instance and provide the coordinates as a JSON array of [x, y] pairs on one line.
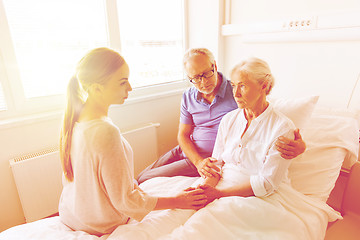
[[196, 52], [257, 69]]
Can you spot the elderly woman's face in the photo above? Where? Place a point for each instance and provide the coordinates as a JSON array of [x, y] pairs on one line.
[[248, 93]]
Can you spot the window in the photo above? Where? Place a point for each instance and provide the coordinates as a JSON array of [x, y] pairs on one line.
[[153, 43], [49, 37], [43, 40]]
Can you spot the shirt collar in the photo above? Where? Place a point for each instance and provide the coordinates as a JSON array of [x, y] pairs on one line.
[[222, 90], [263, 114]]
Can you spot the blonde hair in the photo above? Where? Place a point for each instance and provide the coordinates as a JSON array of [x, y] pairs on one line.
[[95, 67], [196, 52], [256, 69]]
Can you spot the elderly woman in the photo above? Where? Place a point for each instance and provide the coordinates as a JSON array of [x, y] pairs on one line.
[[246, 137]]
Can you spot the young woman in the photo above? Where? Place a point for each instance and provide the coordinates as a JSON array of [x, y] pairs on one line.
[[99, 191]]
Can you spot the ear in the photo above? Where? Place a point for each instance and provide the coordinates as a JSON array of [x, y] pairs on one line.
[[215, 66], [265, 85], [96, 89]]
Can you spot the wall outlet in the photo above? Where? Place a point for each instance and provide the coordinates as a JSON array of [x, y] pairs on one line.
[[298, 24]]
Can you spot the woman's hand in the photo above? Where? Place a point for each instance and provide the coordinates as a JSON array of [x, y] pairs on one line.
[[191, 198], [211, 193], [290, 149], [209, 167]]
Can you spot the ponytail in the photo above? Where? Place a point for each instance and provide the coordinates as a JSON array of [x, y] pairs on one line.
[[75, 100]]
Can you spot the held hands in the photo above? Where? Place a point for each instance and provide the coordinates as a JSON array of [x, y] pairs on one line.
[[209, 167], [211, 193], [191, 198], [290, 149]]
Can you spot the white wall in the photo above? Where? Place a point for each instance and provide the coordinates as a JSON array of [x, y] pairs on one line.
[[326, 67], [203, 26]]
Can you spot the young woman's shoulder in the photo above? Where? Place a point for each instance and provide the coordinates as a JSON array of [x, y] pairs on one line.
[[101, 131]]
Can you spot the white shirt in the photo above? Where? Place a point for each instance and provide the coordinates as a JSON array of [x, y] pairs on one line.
[[103, 194], [254, 155]]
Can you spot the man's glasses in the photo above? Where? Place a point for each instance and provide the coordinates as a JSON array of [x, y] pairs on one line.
[[198, 78]]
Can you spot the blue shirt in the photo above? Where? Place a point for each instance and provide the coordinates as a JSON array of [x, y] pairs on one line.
[[204, 117]]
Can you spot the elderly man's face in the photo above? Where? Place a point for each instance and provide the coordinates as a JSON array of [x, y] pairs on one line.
[[203, 73]]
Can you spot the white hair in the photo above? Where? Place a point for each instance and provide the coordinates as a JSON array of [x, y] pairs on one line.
[[257, 69], [197, 52]]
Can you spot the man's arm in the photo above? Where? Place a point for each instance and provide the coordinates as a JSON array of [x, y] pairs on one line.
[[205, 167], [187, 146], [289, 148]]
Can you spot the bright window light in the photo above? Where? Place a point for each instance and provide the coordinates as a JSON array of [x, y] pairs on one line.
[[151, 34], [50, 37]]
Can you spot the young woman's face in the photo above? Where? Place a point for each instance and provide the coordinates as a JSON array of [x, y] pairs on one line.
[[247, 92], [117, 88]]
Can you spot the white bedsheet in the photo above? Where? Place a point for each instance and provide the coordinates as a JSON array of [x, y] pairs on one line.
[[46, 229], [279, 216], [273, 217]]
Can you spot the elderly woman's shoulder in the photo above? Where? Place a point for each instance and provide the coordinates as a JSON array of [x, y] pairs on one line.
[[281, 118], [232, 115]]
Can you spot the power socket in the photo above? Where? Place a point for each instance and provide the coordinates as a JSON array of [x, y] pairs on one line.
[[299, 24]]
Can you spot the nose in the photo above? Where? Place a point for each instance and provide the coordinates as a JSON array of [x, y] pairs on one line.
[[202, 80], [129, 87], [237, 91]]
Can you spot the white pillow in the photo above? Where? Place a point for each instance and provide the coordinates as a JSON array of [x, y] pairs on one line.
[[352, 113], [298, 110], [329, 139], [341, 112]]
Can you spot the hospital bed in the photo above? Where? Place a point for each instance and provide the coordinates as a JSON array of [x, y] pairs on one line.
[[349, 226], [331, 160]]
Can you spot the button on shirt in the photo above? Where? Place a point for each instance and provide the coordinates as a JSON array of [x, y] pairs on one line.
[[254, 155], [204, 117]]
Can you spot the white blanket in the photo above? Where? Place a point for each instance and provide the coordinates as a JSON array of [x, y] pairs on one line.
[[286, 214], [46, 229]]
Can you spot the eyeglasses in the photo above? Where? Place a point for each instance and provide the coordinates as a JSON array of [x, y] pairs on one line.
[[198, 78]]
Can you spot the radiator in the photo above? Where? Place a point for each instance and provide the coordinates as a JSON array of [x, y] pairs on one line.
[[38, 176], [38, 182], [144, 143]]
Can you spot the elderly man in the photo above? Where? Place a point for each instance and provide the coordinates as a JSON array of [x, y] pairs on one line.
[[202, 108]]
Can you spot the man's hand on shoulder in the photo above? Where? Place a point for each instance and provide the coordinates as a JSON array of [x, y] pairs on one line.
[[289, 148]]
